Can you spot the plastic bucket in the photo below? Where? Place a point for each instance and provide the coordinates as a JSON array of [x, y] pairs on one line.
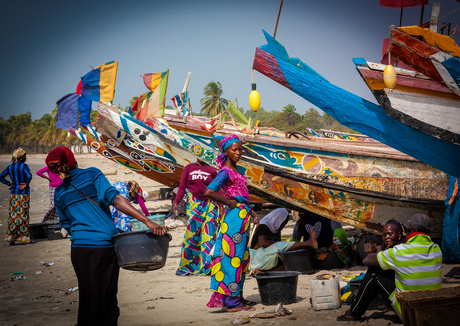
[[53, 232], [37, 231], [303, 260], [140, 226], [141, 250], [277, 287]]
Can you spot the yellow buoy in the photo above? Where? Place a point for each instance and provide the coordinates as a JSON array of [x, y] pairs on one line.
[[389, 76], [254, 99]]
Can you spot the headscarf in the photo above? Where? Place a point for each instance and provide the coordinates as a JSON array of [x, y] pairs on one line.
[[133, 189], [224, 144], [17, 154], [65, 158], [274, 219]]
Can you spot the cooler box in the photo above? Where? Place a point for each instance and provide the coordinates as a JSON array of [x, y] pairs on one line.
[[139, 226]]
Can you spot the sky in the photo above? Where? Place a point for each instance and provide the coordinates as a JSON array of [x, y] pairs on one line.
[[47, 45]]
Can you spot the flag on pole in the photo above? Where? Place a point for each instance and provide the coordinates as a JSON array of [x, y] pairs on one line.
[[67, 115], [155, 107], [179, 100], [99, 84]]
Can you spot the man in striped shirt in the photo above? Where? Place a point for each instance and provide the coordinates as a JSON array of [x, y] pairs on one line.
[[417, 264]]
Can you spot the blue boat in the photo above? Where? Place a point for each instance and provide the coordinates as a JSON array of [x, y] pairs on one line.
[[353, 111]]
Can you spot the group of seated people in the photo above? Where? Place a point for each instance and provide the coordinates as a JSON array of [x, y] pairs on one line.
[[408, 260]]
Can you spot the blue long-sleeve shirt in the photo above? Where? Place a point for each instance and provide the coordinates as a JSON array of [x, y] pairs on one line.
[[89, 225], [18, 173]]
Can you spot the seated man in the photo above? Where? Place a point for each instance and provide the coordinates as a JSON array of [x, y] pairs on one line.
[[417, 266]]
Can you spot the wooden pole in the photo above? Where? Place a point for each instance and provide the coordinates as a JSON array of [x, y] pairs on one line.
[[421, 15], [400, 17], [277, 20]]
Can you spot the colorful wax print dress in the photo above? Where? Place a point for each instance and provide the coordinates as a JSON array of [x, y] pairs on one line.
[[18, 219], [231, 252], [203, 219], [122, 221]]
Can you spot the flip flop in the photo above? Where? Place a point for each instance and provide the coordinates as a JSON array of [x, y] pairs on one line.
[[240, 308], [343, 318]]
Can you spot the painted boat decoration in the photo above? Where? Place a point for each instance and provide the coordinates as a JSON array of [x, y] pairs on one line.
[[436, 56], [344, 135], [182, 147], [416, 100], [164, 173], [353, 111]]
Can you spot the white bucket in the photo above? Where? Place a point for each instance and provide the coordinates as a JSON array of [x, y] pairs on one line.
[[325, 293]]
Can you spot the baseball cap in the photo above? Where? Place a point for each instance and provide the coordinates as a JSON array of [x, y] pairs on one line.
[[420, 220]]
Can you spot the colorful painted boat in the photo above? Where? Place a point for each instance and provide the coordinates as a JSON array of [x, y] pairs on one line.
[[416, 100], [353, 111], [436, 56], [358, 183], [135, 160]]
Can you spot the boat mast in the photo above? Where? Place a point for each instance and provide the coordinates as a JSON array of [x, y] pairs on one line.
[[184, 105], [277, 19]]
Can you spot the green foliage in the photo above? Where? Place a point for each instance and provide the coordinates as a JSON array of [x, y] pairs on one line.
[[213, 103]]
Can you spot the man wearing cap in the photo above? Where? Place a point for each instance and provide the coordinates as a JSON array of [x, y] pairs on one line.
[[417, 265]]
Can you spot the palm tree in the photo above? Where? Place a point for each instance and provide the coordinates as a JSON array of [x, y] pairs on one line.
[[212, 104], [289, 114]]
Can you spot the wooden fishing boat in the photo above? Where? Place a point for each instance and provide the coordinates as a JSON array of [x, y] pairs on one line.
[[353, 111], [136, 160], [436, 56], [357, 183], [416, 100]]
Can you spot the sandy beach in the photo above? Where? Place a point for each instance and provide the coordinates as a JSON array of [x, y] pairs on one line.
[[45, 292]]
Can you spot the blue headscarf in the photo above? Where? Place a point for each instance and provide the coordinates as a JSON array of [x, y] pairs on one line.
[[224, 144]]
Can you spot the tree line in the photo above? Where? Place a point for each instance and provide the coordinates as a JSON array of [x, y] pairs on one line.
[[41, 135]]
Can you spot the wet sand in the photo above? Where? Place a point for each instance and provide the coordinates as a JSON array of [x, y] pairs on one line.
[[46, 296]]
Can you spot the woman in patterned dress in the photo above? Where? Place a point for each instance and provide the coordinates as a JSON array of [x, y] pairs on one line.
[[231, 252], [203, 219], [133, 193], [20, 176]]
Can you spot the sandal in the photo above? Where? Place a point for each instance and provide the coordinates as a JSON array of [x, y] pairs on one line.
[[344, 317], [240, 308]]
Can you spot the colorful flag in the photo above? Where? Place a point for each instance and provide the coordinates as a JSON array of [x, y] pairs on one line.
[[67, 115], [139, 103], [85, 110], [99, 83], [402, 3], [155, 108], [178, 100]]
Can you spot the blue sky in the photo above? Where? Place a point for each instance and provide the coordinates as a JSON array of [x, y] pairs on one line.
[[48, 45]]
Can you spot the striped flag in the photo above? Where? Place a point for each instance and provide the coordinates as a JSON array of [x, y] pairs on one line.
[[157, 83], [179, 99]]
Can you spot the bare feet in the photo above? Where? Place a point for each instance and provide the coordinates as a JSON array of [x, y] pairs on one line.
[[312, 241]]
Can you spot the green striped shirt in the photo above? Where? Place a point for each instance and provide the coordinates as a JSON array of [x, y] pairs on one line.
[[417, 265]]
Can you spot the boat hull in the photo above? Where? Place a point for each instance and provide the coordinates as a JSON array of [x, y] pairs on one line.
[[419, 102], [353, 111]]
